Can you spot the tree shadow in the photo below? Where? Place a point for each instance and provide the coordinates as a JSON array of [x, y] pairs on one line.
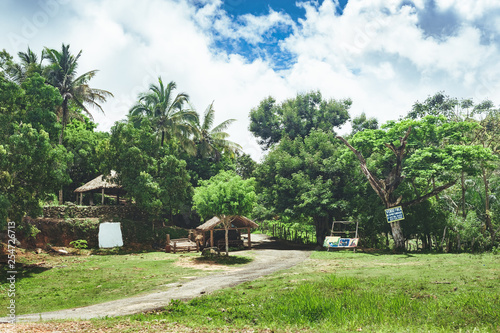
[[21, 271], [224, 260], [278, 244]]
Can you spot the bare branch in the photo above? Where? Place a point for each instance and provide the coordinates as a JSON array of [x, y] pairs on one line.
[[432, 193], [372, 179]]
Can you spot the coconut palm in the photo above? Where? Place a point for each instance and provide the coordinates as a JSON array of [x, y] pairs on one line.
[[167, 112], [62, 74], [29, 63], [212, 141]]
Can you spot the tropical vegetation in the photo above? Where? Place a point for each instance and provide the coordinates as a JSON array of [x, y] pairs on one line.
[[439, 162]]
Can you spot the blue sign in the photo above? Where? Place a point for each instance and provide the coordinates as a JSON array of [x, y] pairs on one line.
[[394, 214]]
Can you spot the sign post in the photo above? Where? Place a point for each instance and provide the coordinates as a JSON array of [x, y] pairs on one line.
[[394, 214]]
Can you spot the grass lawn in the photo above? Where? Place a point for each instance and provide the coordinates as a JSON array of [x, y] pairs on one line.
[[48, 282], [345, 291], [336, 292]]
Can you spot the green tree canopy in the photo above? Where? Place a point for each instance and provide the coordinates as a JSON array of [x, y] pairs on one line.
[[270, 122], [167, 112], [427, 154], [88, 148], [212, 140], [152, 175], [31, 165], [306, 179], [361, 123], [225, 195], [62, 74]]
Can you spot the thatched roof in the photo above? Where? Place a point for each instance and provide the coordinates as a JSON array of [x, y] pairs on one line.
[[100, 183], [237, 221]]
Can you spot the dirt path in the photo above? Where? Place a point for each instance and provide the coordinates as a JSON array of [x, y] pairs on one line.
[[267, 260]]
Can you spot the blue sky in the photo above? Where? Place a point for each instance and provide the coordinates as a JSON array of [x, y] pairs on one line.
[[383, 54], [269, 48]]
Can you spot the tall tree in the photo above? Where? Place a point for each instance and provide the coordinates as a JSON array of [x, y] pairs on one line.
[[166, 111], [225, 195], [306, 179], [489, 137], [416, 152], [152, 175], [361, 123], [31, 165], [62, 74], [486, 135], [296, 117], [18, 72], [212, 141]]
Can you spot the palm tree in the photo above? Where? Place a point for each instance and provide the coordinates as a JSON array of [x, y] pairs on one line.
[[61, 73], [166, 110], [18, 72], [211, 142]]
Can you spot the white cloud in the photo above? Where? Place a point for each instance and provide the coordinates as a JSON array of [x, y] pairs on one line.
[[375, 53], [469, 9], [247, 27]]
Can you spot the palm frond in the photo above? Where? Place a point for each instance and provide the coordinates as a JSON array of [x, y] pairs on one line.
[[208, 117], [223, 126]]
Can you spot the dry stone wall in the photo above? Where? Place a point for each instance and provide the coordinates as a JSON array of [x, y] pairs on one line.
[[74, 211]]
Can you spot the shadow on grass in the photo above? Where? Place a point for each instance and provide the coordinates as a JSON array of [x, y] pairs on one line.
[[22, 271], [279, 244], [224, 260], [123, 251]]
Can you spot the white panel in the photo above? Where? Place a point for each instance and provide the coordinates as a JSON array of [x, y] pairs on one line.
[[110, 235]]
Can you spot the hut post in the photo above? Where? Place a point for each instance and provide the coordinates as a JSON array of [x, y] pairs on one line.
[[249, 239], [167, 245], [211, 237], [102, 201], [81, 198]]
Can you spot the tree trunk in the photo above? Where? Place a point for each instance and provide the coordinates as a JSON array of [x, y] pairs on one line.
[[424, 242], [487, 204], [225, 221], [64, 121], [462, 180], [322, 228], [397, 235]]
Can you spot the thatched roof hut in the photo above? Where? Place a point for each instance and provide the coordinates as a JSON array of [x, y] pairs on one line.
[[237, 223], [103, 185]]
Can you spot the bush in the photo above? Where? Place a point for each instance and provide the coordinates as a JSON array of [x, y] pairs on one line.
[[79, 244]]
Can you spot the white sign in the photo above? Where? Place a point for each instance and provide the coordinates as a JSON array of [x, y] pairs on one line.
[[110, 235]]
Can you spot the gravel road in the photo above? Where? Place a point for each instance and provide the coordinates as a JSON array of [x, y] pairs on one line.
[[267, 260]]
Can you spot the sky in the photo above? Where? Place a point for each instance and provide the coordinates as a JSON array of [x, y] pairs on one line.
[[382, 54]]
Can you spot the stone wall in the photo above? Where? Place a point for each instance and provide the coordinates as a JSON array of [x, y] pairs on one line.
[[74, 211]]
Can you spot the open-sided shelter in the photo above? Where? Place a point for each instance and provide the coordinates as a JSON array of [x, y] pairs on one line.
[[102, 185], [238, 223]]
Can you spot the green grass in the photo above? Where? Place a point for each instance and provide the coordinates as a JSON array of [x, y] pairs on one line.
[[330, 292], [345, 291], [47, 282]]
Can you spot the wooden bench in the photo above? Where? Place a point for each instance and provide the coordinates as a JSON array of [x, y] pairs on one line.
[[180, 245]]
